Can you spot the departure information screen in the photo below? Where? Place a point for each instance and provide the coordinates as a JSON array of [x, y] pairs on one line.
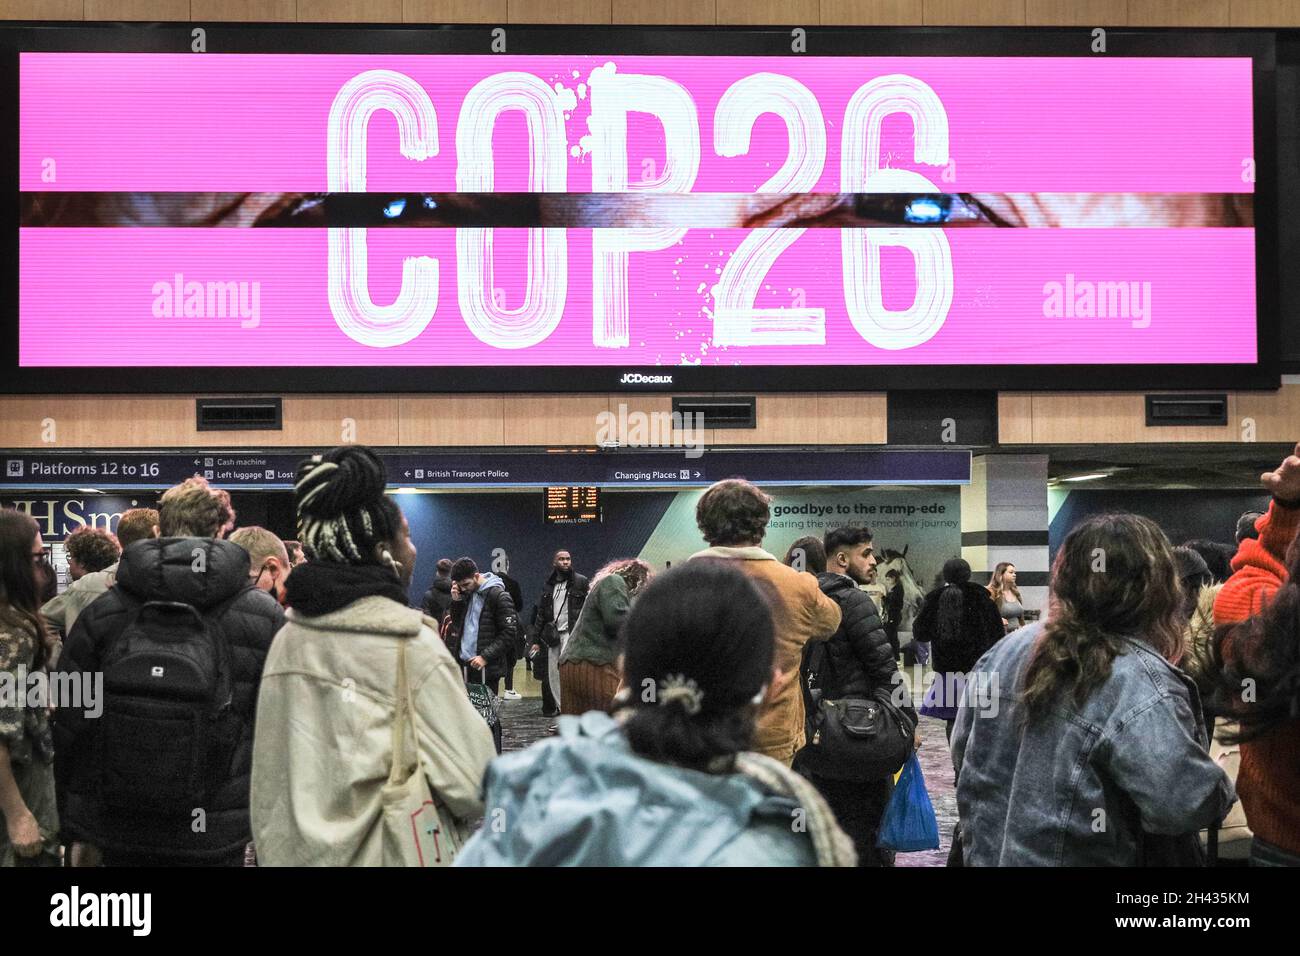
[[573, 505]]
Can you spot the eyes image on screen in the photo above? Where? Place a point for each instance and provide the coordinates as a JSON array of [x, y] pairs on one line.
[[241, 210]]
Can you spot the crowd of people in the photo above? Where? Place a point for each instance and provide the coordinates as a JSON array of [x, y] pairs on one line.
[[282, 703]]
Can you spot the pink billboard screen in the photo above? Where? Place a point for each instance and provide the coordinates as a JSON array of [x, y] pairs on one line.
[[638, 212]]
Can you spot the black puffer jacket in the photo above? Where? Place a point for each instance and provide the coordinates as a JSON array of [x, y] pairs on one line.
[[164, 569], [437, 599], [498, 628], [979, 628], [860, 661]]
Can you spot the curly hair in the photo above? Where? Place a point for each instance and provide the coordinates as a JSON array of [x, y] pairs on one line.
[[94, 548], [1114, 577], [733, 512], [634, 572], [194, 509], [137, 524]]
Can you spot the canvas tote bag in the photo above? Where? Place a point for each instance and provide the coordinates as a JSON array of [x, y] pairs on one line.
[[419, 830]]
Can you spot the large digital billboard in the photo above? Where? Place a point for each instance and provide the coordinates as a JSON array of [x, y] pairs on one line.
[[590, 220]]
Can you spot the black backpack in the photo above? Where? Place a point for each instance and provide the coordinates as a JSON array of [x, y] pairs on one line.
[[168, 732]]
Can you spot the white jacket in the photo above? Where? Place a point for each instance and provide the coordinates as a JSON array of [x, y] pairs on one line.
[[322, 748]]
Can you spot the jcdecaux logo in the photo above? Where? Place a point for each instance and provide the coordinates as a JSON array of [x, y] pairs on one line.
[[636, 378]]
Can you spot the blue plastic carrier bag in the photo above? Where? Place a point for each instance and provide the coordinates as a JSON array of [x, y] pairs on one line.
[[909, 824]]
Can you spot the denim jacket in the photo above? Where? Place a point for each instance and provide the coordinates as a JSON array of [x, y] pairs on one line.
[[1083, 786]]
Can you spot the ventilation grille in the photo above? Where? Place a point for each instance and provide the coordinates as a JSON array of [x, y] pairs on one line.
[[1187, 409], [238, 414], [728, 412]]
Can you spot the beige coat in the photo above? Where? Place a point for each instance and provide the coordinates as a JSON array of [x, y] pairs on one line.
[[801, 614], [322, 748], [61, 612]]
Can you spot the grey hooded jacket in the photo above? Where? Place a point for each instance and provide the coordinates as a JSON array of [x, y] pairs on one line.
[[1087, 786], [585, 799]]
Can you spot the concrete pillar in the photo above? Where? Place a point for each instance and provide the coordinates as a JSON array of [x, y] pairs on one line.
[[1004, 518]]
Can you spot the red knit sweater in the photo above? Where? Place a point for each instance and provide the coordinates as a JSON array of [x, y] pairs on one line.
[[1269, 779]]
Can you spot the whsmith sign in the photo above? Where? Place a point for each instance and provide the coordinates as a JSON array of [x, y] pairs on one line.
[[59, 517], [145, 470]]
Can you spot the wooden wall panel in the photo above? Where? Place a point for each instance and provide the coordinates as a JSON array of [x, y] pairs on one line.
[[872, 12], [1237, 13], [974, 13], [137, 9], [569, 11], [453, 420], [244, 11], [1080, 13], [1265, 13], [454, 11], [1178, 13], [553, 419], [666, 11], [1276, 415], [650, 404], [41, 9], [1114, 418], [96, 422], [782, 420], [769, 12], [104, 421], [350, 11], [565, 420], [1015, 418], [851, 419], [329, 420]]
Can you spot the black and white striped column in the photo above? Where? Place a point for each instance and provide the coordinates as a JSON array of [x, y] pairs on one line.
[[1004, 518]]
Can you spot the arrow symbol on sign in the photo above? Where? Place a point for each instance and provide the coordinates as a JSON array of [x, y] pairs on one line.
[[406, 474], [697, 474]]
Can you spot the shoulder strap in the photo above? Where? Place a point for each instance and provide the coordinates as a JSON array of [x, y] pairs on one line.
[[819, 658], [402, 717]]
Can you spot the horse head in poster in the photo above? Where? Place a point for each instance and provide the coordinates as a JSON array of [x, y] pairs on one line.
[[913, 594]]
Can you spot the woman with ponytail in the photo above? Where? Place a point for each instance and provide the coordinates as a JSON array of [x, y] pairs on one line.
[[27, 801], [960, 622], [668, 780], [328, 711], [1078, 742]]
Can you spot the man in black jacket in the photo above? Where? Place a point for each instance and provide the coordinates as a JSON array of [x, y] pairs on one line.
[[484, 623], [516, 646], [192, 566], [857, 662], [554, 617], [438, 598]]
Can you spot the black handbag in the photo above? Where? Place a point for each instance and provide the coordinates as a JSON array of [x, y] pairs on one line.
[[853, 738]]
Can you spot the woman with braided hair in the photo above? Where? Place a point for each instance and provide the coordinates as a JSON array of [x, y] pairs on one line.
[[324, 745]]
